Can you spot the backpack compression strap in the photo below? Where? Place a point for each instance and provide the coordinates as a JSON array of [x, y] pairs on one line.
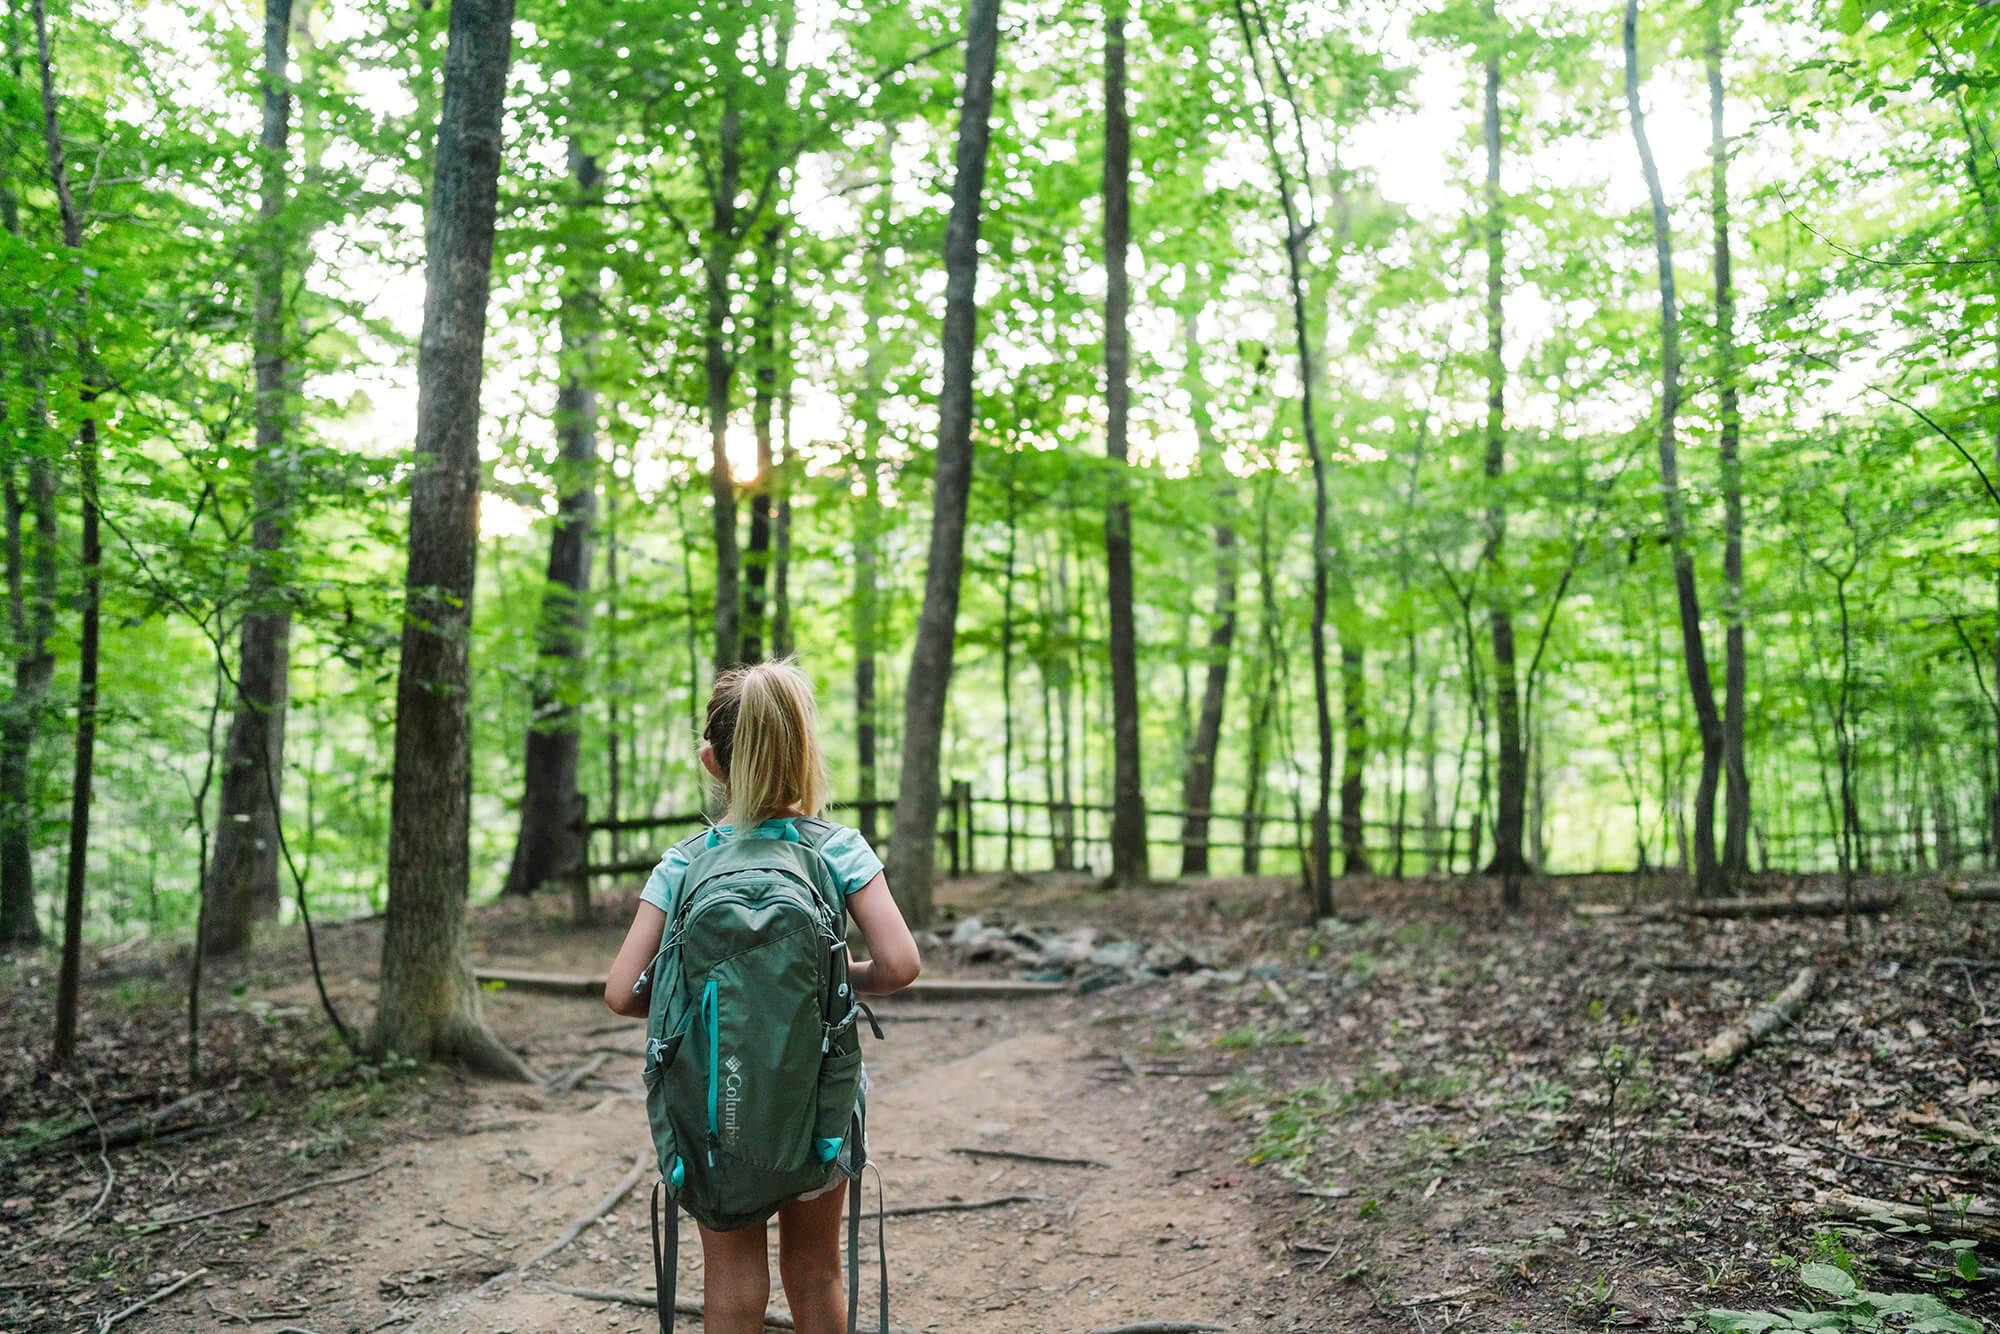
[[666, 1264], [860, 1128]]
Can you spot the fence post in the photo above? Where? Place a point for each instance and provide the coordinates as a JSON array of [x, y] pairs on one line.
[[579, 878], [962, 794], [951, 830]]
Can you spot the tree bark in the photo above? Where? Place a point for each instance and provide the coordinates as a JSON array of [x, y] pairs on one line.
[[912, 849], [1319, 876], [243, 872], [763, 404], [1128, 803], [32, 614], [719, 366], [1508, 862], [549, 843], [1736, 799], [867, 520], [69, 984], [429, 1004], [1707, 870], [1198, 787]]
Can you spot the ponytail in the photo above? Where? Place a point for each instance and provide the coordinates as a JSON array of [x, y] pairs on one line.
[[765, 730]]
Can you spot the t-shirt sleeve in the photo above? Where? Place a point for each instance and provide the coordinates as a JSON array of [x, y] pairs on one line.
[[665, 879], [851, 860]]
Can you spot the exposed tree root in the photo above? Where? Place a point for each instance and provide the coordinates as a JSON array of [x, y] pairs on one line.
[[1728, 1046]]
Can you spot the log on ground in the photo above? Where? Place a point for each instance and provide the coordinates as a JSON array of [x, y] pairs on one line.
[[1728, 1046], [1977, 1220]]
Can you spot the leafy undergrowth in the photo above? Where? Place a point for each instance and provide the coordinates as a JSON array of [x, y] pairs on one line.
[[1476, 1122], [280, 1101]]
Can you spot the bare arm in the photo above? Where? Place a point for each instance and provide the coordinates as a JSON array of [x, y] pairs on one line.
[[892, 961], [641, 943]]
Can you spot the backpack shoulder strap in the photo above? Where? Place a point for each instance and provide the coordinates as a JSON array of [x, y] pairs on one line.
[[813, 831]]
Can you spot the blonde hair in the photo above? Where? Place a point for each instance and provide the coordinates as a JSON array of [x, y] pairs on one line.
[[764, 727]]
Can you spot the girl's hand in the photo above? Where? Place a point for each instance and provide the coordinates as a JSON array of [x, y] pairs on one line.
[[892, 961], [641, 943]]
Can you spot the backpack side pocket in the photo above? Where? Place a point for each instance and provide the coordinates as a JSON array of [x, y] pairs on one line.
[[833, 1103]]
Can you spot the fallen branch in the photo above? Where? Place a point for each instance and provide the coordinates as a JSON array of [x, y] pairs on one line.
[[961, 1207], [935, 988], [1977, 1219], [1728, 1046], [152, 1224], [1157, 1327], [644, 1164], [1021, 1156], [1984, 892], [1962, 1131], [1808, 906], [108, 1321]]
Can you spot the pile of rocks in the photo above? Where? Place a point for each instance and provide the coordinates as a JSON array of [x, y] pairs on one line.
[[1089, 956]]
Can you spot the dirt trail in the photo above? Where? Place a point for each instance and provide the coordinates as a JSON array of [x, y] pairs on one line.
[[1161, 1234]]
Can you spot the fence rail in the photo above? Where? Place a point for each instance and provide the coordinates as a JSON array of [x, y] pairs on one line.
[[1069, 832]]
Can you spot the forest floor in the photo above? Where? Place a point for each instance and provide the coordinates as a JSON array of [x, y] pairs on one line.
[[1419, 1115]]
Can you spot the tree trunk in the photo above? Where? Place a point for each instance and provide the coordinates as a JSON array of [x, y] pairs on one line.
[[31, 615], [1736, 800], [552, 803], [243, 873], [1264, 688], [719, 365], [429, 1004], [1707, 871], [763, 404], [69, 984], [912, 849], [1319, 875], [1508, 862], [1128, 814], [1198, 787], [1354, 741]]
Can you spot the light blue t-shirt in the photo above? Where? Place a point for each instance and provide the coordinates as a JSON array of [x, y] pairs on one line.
[[847, 855]]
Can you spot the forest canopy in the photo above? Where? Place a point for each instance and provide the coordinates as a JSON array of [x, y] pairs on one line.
[[1532, 437]]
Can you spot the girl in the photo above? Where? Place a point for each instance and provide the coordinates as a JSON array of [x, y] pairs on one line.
[[761, 744]]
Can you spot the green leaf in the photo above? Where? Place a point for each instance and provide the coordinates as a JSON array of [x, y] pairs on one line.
[[1835, 1282], [1850, 17], [1968, 1266]]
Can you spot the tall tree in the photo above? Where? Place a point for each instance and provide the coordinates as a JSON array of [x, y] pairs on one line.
[[1736, 771], [550, 842], [1319, 871], [1198, 784], [1708, 872], [913, 847], [429, 1005], [719, 362], [243, 872], [70, 978], [1508, 862], [31, 594], [1128, 798]]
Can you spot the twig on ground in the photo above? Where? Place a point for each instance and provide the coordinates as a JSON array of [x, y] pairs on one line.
[[690, 1306], [1157, 1327], [1729, 1046], [959, 1207], [1022, 1156], [103, 1156], [106, 1322], [152, 1224]]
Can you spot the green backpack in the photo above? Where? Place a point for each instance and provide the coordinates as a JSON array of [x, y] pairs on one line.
[[753, 1061]]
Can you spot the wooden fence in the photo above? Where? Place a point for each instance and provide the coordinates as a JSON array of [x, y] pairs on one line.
[[1027, 835]]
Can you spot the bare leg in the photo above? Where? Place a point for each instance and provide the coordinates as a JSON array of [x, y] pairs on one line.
[[735, 1280], [809, 1262]]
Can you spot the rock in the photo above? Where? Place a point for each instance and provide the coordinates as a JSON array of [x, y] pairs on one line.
[[1118, 954], [967, 931], [1099, 979]]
